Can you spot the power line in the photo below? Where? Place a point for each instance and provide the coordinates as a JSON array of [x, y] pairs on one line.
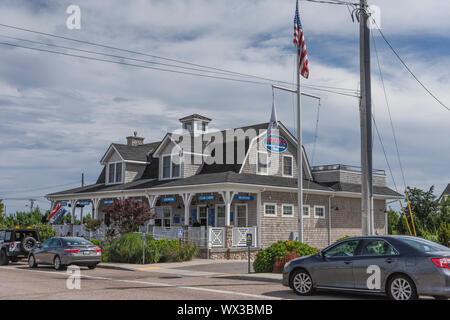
[[37, 189], [160, 57], [407, 68]]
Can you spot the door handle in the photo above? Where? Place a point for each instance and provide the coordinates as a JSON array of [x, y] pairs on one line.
[[347, 262], [389, 260]]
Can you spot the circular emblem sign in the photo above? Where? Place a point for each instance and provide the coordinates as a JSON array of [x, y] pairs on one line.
[[275, 144]]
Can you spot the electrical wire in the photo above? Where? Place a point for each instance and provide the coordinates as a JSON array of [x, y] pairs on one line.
[[37, 189]]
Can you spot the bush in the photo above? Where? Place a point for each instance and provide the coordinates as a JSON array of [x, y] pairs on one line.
[[96, 242], [45, 231], [128, 249], [92, 224], [265, 259], [343, 238], [444, 234]]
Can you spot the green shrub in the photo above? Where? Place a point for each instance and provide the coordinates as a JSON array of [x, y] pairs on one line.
[[45, 231], [128, 249], [265, 259], [96, 242], [343, 238], [444, 234]]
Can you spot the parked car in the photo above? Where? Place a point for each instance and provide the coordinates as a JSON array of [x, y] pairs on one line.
[[406, 267], [17, 243], [63, 251]]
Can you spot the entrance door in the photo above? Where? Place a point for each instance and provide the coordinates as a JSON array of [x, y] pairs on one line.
[[220, 216]]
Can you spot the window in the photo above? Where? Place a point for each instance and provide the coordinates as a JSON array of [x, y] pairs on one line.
[[423, 245], [306, 211], [319, 211], [344, 249], [262, 165], [241, 215], [175, 167], [203, 215], [2, 235], [118, 172], [377, 247], [270, 209], [188, 126], [166, 167], [8, 235], [163, 216], [287, 166], [203, 126], [288, 210], [220, 215], [112, 168]]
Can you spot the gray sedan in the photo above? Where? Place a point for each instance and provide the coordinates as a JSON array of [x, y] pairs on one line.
[[401, 267], [61, 252]]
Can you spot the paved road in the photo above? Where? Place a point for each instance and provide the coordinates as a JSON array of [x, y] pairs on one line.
[[17, 281]]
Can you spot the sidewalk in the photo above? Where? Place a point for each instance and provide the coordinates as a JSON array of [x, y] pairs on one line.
[[231, 269]]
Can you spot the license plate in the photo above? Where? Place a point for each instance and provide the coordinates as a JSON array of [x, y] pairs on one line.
[[87, 253]]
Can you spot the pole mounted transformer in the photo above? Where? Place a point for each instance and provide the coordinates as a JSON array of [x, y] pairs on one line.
[[365, 110]]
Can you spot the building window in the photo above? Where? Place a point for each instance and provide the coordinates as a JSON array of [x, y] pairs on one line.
[[112, 167], [203, 126], [171, 167], [175, 166], [166, 167], [118, 172], [220, 215], [288, 210], [262, 165], [163, 216], [287, 166], [203, 215], [270, 209], [306, 211], [241, 215], [319, 211]]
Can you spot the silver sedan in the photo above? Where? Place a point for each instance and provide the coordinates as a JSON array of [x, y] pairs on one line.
[[64, 251], [401, 267]]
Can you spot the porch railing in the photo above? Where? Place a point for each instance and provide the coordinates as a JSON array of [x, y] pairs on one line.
[[216, 237], [239, 236]]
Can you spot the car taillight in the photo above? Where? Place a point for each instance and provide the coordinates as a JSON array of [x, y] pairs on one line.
[[442, 262], [98, 250], [72, 250], [12, 245]]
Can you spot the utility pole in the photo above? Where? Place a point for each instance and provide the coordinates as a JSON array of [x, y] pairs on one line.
[[31, 204], [82, 185], [366, 123]]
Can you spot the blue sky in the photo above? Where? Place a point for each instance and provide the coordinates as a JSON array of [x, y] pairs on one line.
[[59, 114]]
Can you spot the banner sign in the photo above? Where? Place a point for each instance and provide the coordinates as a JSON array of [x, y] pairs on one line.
[[108, 201], [207, 197], [169, 199], [58, 216], [84, 203], [243, 197], [275, 144]]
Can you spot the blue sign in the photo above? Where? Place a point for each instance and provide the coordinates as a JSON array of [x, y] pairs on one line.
[[63, 204], [108, 201], [249, 241], [180, 233], [207, 197], [243, 197], [84, 203], [143, 237], [275, 144], [169, 199]]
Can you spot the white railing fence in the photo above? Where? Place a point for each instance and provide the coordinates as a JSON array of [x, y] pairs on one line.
[[216, 237], [62, 230]]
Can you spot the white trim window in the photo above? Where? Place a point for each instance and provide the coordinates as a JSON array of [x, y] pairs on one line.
[[220, 215], [202, 214], [171, 167], [270, 209], [306, 211], [114, 172], [165, 217], [262, 163], [319, 212], [287, 210], [241, 215], [288, 166]]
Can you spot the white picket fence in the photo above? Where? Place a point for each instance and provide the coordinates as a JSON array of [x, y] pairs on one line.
[[62, 230]]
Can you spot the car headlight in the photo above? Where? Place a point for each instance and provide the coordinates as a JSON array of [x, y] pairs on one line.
[[288, 263]]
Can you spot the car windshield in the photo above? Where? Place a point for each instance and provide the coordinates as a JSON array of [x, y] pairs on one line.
[[424, 245], [77, 242]]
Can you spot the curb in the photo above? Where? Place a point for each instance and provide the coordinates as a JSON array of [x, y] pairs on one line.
[[249, 278], [114, 267]]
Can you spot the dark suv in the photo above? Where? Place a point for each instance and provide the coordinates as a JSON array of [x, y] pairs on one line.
[[17, 243]]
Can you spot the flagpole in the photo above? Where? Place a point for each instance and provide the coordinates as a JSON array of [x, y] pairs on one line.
[[299, 155]]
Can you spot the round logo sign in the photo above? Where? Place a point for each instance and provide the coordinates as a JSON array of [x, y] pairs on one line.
[[275, 144]]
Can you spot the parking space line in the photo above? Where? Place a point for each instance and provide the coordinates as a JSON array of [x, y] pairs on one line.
[[249, 295]]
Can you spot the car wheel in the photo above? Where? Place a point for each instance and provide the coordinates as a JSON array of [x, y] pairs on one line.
[[401, 287], [302, 283], [57, 263], [3, 258], [32, 261], [92, 266]]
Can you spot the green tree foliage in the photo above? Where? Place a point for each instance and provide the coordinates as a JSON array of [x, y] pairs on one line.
[[2, 207]]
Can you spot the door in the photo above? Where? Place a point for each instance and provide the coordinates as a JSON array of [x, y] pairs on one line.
[[41, 254], [371, 266], [241, 215], [53, 250], [220, 216], [335, 269]]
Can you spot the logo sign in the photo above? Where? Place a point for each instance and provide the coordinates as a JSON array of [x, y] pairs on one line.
[[249, 238], [64, 204], [84, 203], [108, 201], [243, 197], [207, 197], [275, 144], [180, 233], [169, 199]]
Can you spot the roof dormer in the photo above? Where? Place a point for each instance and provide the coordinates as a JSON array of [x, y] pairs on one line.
[[195, 124]]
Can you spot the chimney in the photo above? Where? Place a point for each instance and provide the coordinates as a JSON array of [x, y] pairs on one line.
[[135, 140]]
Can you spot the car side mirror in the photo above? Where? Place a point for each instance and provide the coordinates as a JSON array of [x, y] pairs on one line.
[[321, 254]]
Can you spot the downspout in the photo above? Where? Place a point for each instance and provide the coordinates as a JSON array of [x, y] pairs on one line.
[[329, 218]]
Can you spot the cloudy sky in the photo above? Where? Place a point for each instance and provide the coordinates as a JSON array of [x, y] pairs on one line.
[[59, 114]]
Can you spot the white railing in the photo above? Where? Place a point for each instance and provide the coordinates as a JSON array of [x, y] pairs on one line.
[[165, 233], [79, 231], [216, 237], [239, 236], [198, 235]]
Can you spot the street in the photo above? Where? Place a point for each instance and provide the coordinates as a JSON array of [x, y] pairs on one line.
[[19, 282]]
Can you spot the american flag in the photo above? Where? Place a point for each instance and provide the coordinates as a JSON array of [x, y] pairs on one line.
[[299, 41]]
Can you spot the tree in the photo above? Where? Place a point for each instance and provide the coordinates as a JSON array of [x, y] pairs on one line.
[[393, 219], [2, 207], [128, 214], [424, 208]]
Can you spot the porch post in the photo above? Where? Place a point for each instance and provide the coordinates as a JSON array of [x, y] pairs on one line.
[[187, 197], [227, 199], [151, 199], [73, 206], [95, 203]]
